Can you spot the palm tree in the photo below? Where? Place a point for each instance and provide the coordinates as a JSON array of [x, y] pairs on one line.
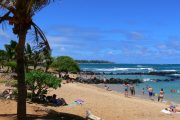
[[10, 53], [28, 56], [37, 58], [47, 62], [11, 50], [3, 58], [19, 13]]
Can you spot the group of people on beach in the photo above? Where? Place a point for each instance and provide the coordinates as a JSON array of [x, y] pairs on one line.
[[49, 100], [152, 94], [131, 88], [128, 87]]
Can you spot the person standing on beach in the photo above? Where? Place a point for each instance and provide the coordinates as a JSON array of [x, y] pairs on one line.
[[150, 90], [143, 91], [132, 89], [126, 86], [104, 80], [161, 95]]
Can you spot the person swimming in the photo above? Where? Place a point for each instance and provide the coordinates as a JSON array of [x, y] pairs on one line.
[[173, 91]]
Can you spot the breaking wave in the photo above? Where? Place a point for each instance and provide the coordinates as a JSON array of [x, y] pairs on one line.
[[146, 79], [169, 70], [122, 69]]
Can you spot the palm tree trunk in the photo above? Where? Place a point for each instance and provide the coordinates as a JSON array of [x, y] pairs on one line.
[[22, 92], [26, 66], [47, 67], [35, 65]]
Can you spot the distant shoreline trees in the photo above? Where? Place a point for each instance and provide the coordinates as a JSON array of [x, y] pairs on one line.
[[94, 61], [65, 64]]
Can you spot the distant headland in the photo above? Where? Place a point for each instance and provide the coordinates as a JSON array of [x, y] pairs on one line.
[[94, 62]]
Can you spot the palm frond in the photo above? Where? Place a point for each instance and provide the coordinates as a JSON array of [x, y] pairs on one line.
[[36, 5], [5, 17], [41, 40], [28, 48], [8, 7]]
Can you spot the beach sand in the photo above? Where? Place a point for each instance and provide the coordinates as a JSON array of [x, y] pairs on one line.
[[108, 105]]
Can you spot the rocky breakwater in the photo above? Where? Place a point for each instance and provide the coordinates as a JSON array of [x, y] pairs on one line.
[[107, 81]]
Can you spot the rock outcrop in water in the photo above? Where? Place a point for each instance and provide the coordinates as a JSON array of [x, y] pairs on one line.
[[107, 81], [169, 74]]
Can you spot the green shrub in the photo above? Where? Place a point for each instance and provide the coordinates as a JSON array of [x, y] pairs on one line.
[[15, 92], [3, 81], [12, 65], [12, 83], [38, 82]]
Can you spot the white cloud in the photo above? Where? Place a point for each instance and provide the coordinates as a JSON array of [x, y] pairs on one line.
[[136, 36], [162, 46], [110, 52], [4, 34], [56, 41], [62, 49]]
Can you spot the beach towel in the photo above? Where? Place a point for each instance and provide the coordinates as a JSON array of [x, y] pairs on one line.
[[79, 101], [168, 112], [76, 102]]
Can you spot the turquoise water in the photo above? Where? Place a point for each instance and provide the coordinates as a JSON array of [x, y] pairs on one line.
[[167, 86], [148, 79], [130, 67]]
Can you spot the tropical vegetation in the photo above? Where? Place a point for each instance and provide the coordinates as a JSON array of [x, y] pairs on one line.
[[92, 61], [38, 82], [19, 14], [65, 64]]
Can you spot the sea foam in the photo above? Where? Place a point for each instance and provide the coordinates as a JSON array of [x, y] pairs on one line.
[[123, 69]]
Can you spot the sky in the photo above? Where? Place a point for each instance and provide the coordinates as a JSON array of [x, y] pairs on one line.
[[122, 31]]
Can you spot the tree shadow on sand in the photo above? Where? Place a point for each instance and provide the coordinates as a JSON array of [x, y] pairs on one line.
[[50, 116]]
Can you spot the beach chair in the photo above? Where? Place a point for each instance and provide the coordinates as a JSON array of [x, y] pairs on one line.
[[90, 116]]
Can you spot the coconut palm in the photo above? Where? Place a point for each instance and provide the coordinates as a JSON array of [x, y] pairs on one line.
[[19, 14], [3, 58], [11, 54], [28, 56], [11, 50], [47, 62]]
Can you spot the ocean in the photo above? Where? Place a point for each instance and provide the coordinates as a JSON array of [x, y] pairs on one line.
[[149, 80]]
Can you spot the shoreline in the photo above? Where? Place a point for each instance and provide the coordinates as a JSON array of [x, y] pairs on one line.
[[139, 95]]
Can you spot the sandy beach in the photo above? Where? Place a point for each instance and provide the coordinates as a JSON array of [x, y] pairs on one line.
[[108, 105]]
